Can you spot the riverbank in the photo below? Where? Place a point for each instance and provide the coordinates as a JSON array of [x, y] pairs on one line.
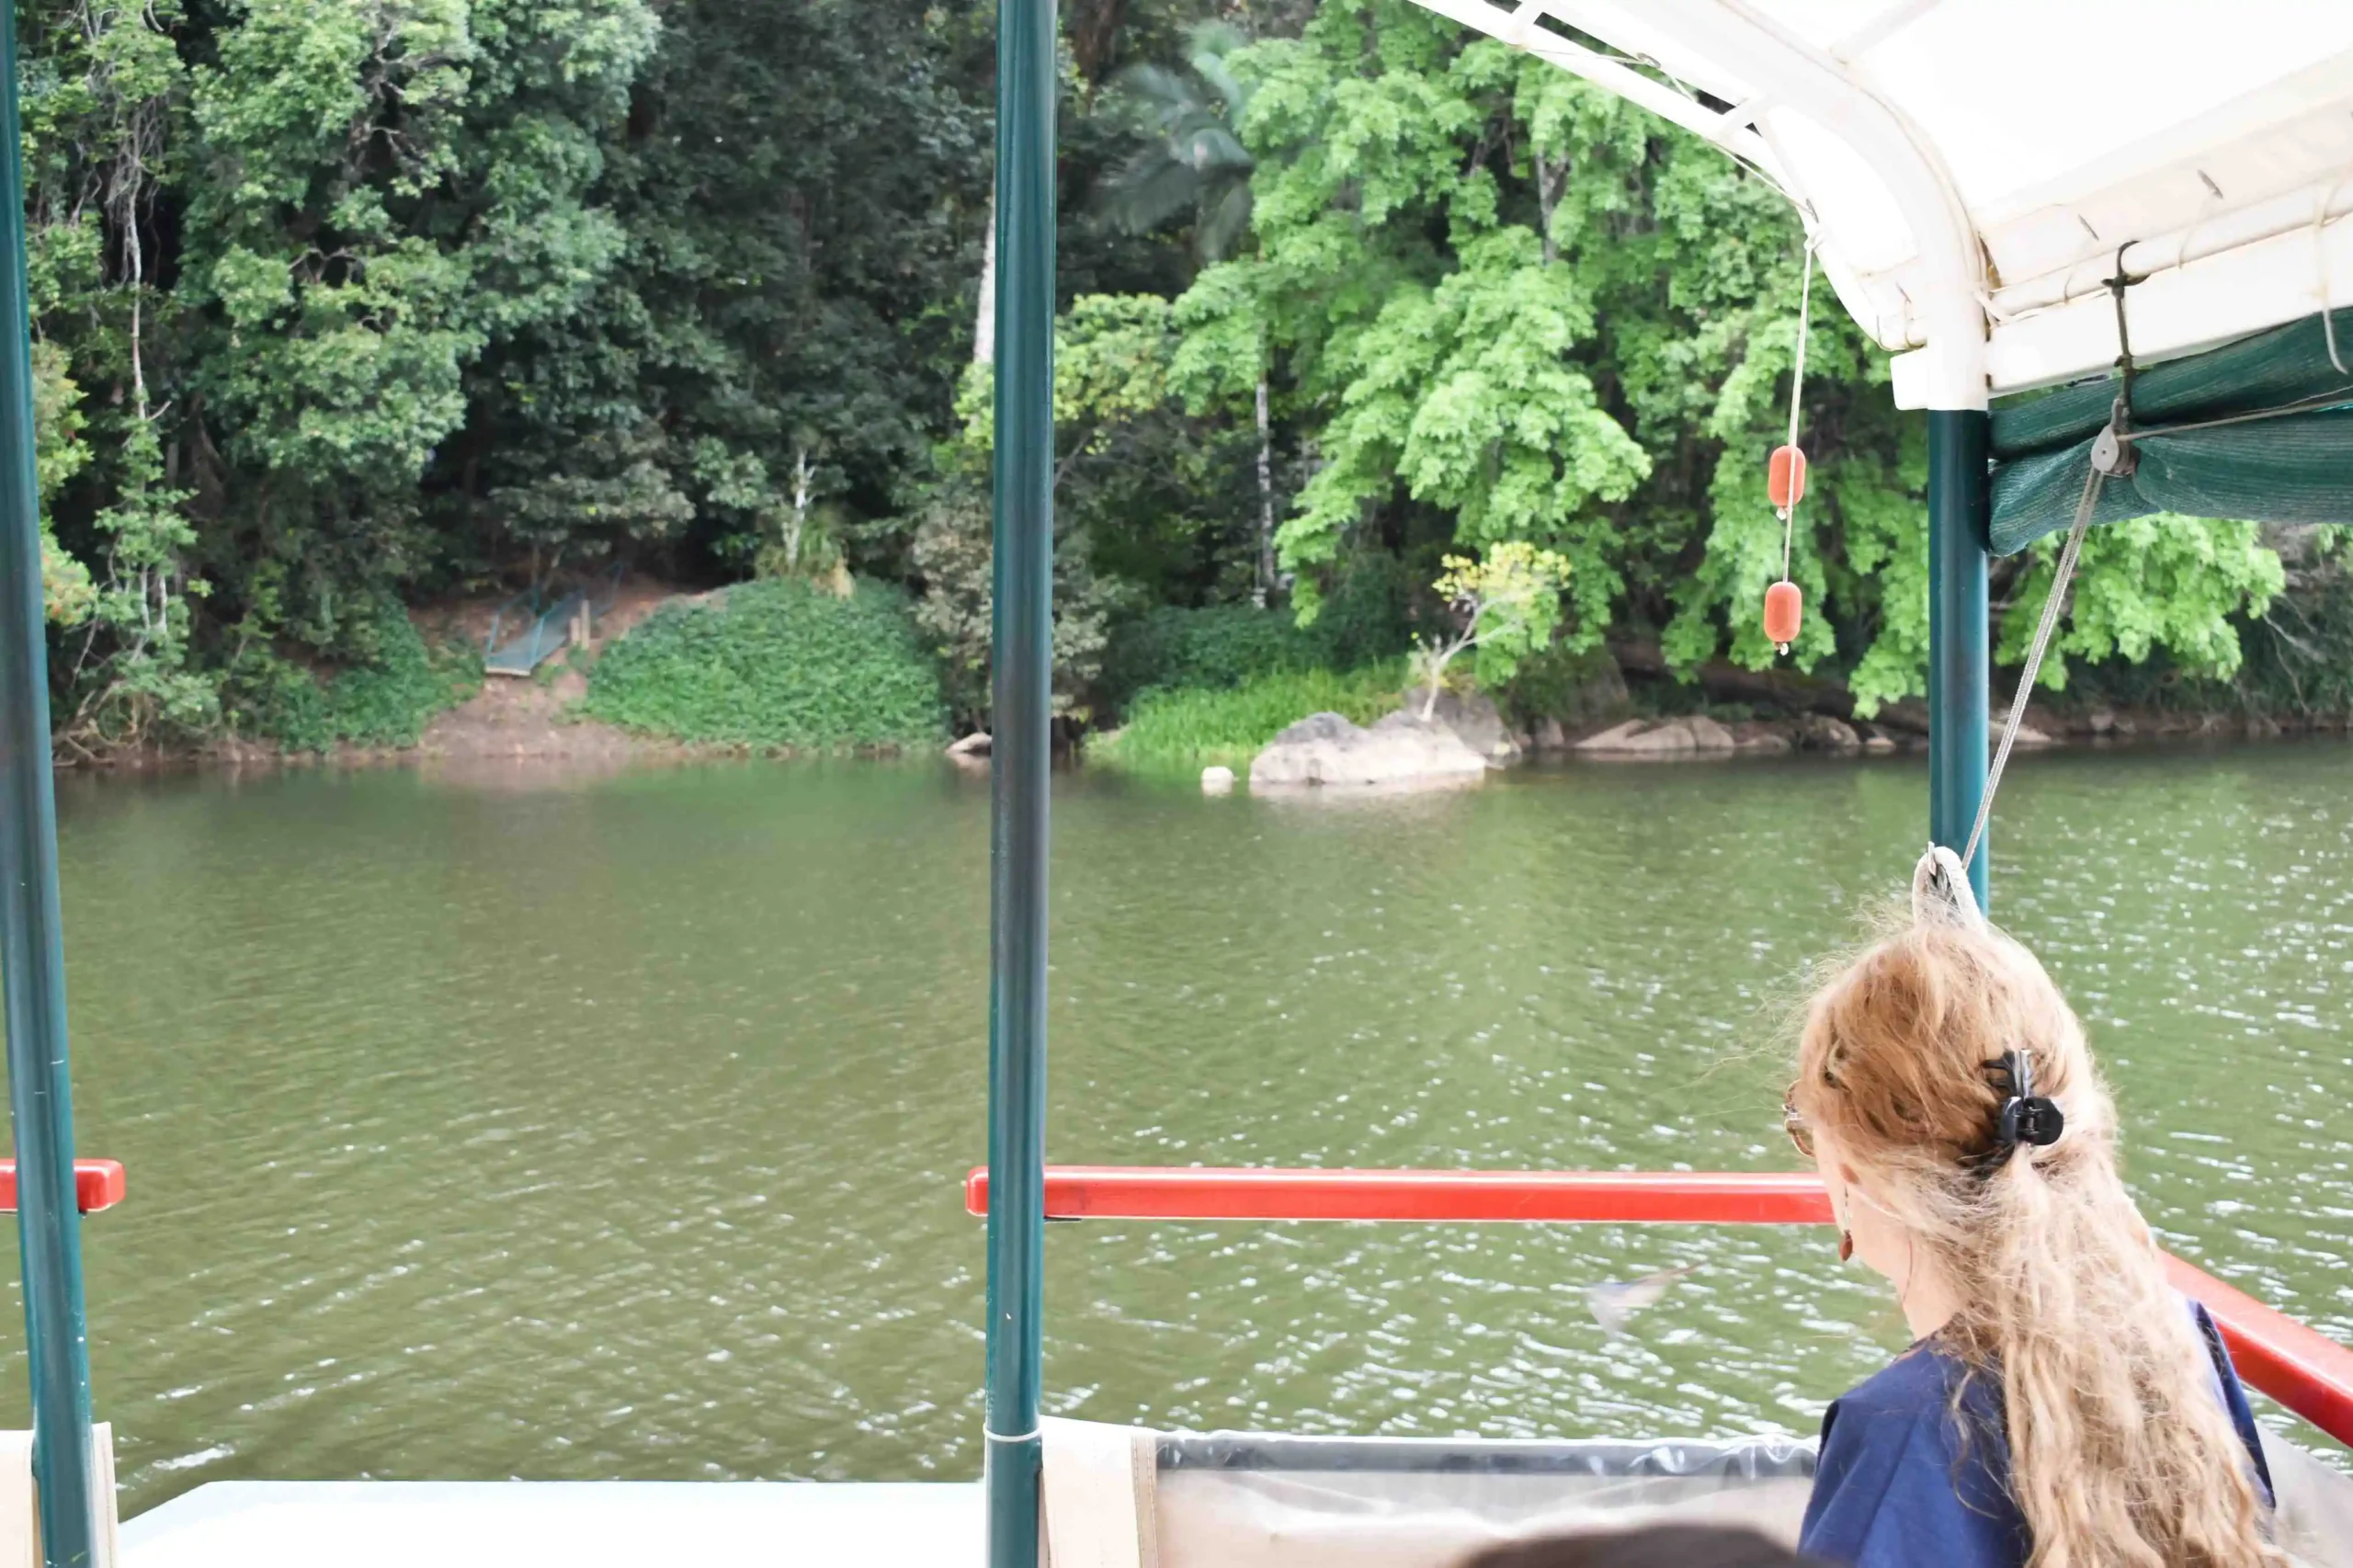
[[789, 668]]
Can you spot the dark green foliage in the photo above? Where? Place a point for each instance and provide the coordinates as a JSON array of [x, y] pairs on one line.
[[952, 553], [1215, 646], [1576, 689], [2297, 654], [800, 193], [1371, 608], [336, 303], [384, 701], [1367, 618], [776, 664]]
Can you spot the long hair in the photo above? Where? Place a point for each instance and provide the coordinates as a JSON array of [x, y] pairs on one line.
[[2120, 1452]]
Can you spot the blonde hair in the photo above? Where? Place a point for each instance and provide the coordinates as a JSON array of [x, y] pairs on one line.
[[2120, 1452]]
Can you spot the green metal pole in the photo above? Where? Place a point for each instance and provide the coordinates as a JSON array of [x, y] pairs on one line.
[[1960, 667], [1019, 761], [32, 954]]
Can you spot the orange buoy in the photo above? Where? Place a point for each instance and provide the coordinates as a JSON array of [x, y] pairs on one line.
[[1785, 479], [1784, 608]]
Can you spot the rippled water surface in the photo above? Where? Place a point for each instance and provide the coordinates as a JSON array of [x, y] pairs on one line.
[[491, 1126]]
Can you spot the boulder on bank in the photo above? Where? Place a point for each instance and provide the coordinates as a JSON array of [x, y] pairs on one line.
[[1325, 749], [1693, 736], [1820, 732], [1756, 736], [1475, 722]]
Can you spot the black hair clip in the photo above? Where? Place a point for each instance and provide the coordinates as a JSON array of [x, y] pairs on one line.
[[2026, 1117]]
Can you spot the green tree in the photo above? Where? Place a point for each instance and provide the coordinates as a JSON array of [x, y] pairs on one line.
[[1426, 334], [1192, 163], [1505, 606], [1516, 309], [794, 189]]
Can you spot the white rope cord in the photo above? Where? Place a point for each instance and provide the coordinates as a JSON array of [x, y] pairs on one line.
[[2093, 481], [1797, 384], [2320, 256]]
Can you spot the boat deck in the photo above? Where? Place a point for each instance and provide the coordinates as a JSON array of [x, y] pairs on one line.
[[578, 1523]]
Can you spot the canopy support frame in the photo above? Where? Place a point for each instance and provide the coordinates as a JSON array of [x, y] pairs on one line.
[[32, 953], [1959, 634], [1021, 613]]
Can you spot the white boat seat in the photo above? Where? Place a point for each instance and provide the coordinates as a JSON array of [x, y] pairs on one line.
[[1129, 1497]]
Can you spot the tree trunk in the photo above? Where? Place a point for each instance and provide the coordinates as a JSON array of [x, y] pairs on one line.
[[984, 324], [1094, 37], [1265, 501], [1550, 178], [800, 511]]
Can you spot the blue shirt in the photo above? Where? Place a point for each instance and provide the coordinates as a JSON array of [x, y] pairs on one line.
[[1906, 1482]]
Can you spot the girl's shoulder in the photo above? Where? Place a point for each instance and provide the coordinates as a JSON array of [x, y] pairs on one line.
[[1927, 1371], [1910, 1476], [1921, 1384]]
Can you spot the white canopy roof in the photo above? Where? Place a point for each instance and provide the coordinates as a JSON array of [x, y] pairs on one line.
[[1972, 169]]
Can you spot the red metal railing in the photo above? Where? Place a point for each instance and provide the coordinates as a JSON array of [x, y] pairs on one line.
[[2306, 1371], [98, 1184]]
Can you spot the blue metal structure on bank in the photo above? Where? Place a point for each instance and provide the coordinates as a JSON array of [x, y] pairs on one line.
[[32, 952]]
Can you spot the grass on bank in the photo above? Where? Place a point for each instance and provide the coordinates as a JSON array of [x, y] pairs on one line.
[[1174, 728], [778, 665]]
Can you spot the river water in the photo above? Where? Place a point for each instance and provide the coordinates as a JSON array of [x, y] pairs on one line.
[[525, 1125]]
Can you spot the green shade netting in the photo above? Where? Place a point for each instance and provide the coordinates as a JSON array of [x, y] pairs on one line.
[[2293, 468]]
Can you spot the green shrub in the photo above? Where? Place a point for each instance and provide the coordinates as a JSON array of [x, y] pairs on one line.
[[1366, 617], [386, 701], [1182, 727], [1214, 646], [775, 663]]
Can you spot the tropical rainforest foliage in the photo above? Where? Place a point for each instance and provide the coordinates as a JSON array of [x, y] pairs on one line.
[[342, 304]]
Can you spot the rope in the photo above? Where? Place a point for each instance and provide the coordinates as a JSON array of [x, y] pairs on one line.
[[2303, 406], [2320, 256], [2093, 479], [1797, 384]]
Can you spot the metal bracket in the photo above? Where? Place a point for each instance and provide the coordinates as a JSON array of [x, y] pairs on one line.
[[2112, 452]]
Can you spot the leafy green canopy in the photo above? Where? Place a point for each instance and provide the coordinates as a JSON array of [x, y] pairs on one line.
[[1508, 306], [338, 300], [775, 663]]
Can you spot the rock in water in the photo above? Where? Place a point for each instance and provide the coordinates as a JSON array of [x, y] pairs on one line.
[[1820, 732], [1473, 719], [1614, 738], [1708, 735], [1326, 749], [974, 744], [1217, 781], [1697, 736]]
